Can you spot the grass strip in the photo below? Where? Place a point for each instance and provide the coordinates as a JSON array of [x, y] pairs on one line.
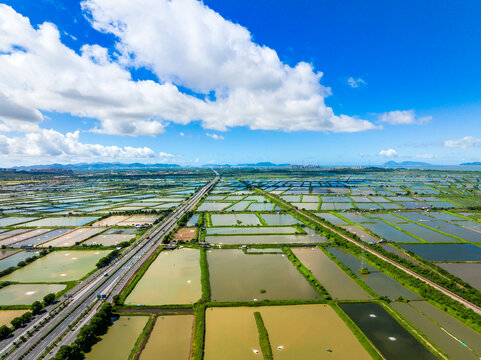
[[263, 337], [199, 332], [204, 275]]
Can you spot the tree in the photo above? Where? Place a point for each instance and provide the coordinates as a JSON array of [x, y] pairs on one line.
[[26, 317], [4, 332], [71, 352], [116, 299], [17, 322], [36, 307], [49, 299]]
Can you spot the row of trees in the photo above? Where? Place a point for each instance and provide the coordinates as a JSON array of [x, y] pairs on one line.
[[103, 262], [88, 336], [19, 321]]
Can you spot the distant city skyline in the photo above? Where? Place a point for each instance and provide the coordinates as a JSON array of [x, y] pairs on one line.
[[191, 83]]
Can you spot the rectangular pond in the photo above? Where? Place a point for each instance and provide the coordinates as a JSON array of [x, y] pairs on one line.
[[171, 337], [8, 315], [231, 333], [392, 340], [445, 252], [33, 241], [108, 239], [295, 332], [445, 339], [309, 332], [337, 283], [382, 284], [280, 219], [469, 272], [234, 219], [235, 276], [173, 278], [119, 340], [14, 259], [73, 237], [12, 240], [261, 230], [71, 221], [26, 294], [58, 266], [265, 239]]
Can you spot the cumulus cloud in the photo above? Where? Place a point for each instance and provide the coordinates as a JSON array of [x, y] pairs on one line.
[[355, 83], [182, 42], [404, 117], [463, 143], [51, 143], [388, 153], [215, 136]]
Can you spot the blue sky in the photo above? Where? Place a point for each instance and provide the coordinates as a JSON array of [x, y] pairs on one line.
[[240, 81]]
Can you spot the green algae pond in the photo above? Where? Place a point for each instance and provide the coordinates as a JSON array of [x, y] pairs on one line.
[[58, 266], [171, 337], [295, 332], [310, 238], [448, 337], [390, 338], [26, 294], [235, 276], [261, 230], [280, 219], [234, 219], [120, 339], [382, 284], [173, 278], [337, 283], [446, 252], [469, 272]]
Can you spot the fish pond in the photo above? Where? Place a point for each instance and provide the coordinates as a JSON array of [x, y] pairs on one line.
[[58, 266], [26, 294], [173, 278], [161, 341], [380, 283], [337, 283], [447, 252], [444, 337], [295, 332], [119, 340], [392, 340], [235, 276]]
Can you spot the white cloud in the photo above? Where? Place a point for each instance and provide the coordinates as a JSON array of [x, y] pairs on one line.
[[388, 153], [52, 144], [184, 43], [463, 143], [181, 134], [404, 117], [355, 83], [215, 136]]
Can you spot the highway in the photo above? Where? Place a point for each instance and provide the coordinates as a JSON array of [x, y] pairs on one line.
[[452, 295], [82, 302]]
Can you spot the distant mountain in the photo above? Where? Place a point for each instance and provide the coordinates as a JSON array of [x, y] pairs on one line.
[[406, 163], [96, 166], [472, 163], [259, 164]]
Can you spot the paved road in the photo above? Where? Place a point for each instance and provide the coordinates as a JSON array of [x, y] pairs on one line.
[[82, 302], [452, 295]]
